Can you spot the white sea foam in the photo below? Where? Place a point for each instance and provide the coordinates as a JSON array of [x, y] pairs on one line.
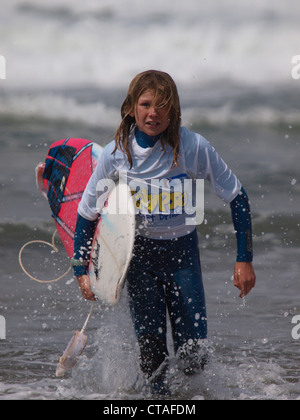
[[52, 47], [72, 43]]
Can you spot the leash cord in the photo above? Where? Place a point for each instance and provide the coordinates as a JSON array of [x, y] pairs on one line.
[[52, 245]]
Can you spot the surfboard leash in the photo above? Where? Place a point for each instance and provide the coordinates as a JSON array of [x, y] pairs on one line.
[[52, 245]]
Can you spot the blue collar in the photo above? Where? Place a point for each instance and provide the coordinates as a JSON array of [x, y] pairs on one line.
[[144, 140]]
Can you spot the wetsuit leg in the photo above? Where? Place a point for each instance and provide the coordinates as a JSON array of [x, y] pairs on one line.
[[186, 303], [148, 310]]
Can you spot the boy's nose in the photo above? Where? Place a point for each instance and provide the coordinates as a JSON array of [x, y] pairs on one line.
[[152, 111]]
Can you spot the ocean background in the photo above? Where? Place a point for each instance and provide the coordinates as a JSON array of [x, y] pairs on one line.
[[68, 66]]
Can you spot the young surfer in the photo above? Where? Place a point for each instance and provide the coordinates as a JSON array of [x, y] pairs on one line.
[[165, 271]]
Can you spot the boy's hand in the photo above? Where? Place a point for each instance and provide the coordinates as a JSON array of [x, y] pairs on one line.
[[244, 277]]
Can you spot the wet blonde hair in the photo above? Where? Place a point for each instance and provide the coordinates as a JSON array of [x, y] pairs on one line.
[[166, 96]]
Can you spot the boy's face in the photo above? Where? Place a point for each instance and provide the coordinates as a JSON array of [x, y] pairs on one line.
[[150, 119]]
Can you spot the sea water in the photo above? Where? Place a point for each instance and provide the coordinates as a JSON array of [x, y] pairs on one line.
[[68, 65]]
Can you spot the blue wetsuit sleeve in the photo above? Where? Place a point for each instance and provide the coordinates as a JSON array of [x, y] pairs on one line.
[[241, 217], [83, 238]]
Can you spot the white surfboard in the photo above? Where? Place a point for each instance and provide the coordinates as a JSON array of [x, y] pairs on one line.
[[112, 245]]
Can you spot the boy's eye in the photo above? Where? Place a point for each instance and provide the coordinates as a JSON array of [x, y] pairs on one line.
[[148, 105]]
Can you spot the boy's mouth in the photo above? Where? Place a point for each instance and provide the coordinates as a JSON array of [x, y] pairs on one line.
[[152, 124]]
